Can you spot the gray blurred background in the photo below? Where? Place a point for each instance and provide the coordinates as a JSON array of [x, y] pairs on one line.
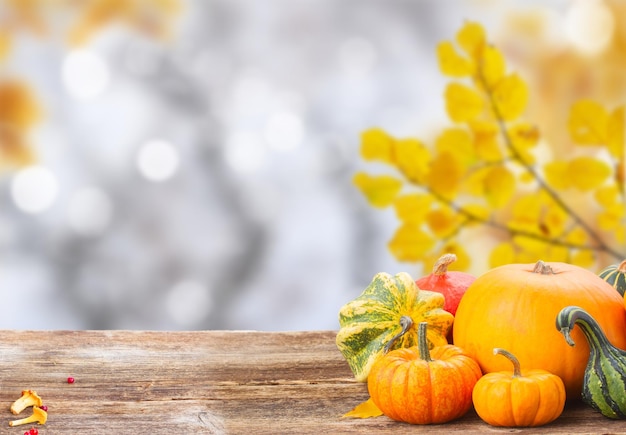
[[204, 181]]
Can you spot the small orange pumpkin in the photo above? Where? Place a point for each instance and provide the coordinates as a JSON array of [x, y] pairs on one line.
[[514, 307], [419, 386], [526, 398]]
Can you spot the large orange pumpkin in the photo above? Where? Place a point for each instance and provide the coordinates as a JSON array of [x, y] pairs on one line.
[[515, 307]]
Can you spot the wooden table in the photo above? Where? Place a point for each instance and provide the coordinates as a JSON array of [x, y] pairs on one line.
[[213, 382]]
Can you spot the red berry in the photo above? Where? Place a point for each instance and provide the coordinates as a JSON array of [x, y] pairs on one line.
[[70, 380], [33, 431], [44, 408]]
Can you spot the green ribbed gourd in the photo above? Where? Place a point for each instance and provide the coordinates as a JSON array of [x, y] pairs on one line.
[[384, 316], [604, 383], [615, 275]]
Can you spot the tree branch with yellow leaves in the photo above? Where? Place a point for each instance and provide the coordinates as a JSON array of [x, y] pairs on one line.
[[482, 171]]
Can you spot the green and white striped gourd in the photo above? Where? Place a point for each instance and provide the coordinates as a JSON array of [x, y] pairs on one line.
[[385, 316], [615, 275], [604, 383]]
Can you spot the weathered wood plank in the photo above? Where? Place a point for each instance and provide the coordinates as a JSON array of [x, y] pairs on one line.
[[214, 382]]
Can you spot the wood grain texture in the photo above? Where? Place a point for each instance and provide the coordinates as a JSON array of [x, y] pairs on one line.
[[212, 382]]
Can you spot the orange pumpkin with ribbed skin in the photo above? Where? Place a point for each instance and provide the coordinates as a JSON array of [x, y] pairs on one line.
[[419, 386], [514, 307], [519, 398]]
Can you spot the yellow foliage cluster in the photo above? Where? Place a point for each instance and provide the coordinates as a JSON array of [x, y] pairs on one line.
[[19, 108], [483, 171], [19, 111], [85, 17]]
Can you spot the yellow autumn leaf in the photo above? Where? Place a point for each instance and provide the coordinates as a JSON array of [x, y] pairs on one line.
[[475, 213], [535, 245], [502, 254], [471, 37], [446, 173], [526, 177], [18, 108], [377, 145], [530, 249], [412, 207], [474, 182], [486, 140], [554, 220], [366, 409], [462, 102], [527, 208], [410, 243], [616, 140], [587, 173], [493, 66], [523, 135], [14, 150], [457, 141], [380, 190], [510, 97], [499, 186], [607, 195], [525, 156], [523, 226], [451, 63], [556, 174], [412, 158], [443, 222], [588, 123], [612, 217], [577, 236], [583, 258], [558, 253]]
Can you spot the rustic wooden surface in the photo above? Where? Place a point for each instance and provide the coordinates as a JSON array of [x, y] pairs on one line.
[[131, 382]]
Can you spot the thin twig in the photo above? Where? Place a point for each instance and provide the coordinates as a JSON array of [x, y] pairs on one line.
[[502, 227], [600, 244]]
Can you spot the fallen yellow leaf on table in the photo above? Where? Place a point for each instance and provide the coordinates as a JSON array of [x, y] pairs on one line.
[[366, 409]]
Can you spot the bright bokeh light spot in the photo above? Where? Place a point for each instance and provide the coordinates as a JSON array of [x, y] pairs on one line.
[[245, 151], [590, 25], [34, 189], [250, 91], [158, 160], [284, 131], [89, 211], [85, 74], [188, 303]]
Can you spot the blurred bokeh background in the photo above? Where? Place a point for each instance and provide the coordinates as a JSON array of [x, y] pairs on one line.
[[187, 164]]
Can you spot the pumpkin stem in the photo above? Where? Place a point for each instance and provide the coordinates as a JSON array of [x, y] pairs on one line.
[[406, 322], [517, 371], [441, 266], [573, 315], [543, 268], [422, 343]]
